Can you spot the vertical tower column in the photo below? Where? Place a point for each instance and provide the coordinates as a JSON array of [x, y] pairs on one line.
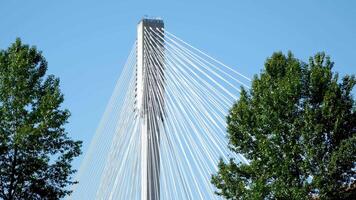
[[150, 102]]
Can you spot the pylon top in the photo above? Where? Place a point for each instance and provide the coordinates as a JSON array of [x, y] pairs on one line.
[[152, 21]]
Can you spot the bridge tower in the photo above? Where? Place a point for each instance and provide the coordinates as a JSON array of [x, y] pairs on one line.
[[150, 87]]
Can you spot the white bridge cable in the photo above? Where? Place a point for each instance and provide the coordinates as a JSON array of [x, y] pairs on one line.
[[93, 162], [169, 166], [222, 64], [184, 154], [215, 93], [193, 87], [183, 123], [199, 69], [204, 62], [188, 95], [207, 114], [200, 99], [197, 79]]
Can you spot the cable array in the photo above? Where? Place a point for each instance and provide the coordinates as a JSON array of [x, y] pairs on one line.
[[187, 98]]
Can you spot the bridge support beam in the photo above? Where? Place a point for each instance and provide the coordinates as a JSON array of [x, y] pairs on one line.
[[150, 104]]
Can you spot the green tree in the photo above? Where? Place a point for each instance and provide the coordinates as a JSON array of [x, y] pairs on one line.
[[35, 151], [296, 126]]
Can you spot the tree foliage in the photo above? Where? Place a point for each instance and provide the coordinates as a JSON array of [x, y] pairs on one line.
[[35, 151], [296, 126]]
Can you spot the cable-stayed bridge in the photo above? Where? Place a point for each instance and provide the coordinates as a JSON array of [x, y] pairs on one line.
[[163, 131]]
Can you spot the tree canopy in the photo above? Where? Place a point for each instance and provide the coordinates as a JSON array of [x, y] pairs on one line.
[[35, 150], [296, 126]]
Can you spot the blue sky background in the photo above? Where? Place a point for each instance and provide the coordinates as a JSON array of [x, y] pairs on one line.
[[87, 42]]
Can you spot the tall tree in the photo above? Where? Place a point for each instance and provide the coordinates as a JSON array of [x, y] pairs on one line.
[[35, 151], [296, 126]]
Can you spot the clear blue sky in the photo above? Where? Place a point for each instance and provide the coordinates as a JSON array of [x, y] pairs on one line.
[[86, 42]]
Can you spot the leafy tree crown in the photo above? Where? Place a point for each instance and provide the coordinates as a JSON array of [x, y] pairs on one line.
[[296, 126], [35, 151]]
